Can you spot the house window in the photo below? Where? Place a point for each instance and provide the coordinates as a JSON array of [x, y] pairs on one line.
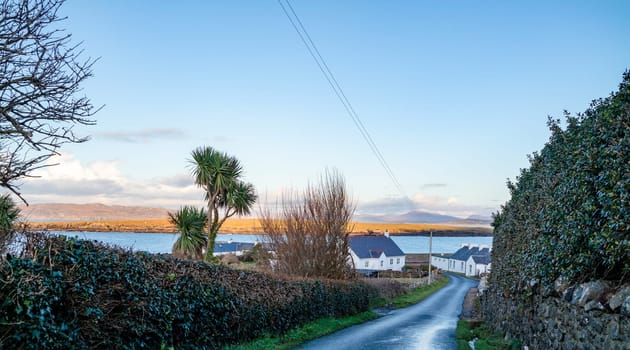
[[397, 260], [367, 264], [391, 261], [462, 265], [381, 263]]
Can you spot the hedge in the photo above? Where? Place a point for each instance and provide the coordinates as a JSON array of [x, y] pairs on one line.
[[569, 213], [69, 293]]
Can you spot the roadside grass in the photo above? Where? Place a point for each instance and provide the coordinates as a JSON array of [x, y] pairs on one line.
[[418, 294], [309, 331], [485, 338], [414, 296], [325, 326]]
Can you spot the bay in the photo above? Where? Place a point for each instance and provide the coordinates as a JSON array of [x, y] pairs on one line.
[[162, 242]]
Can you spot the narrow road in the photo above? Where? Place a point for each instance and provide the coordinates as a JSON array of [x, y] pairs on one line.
[[429, 324]]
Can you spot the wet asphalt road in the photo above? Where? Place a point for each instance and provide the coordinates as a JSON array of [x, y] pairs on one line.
[[428, 325]]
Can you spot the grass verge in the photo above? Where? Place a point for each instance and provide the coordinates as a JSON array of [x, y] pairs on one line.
[[419, 294], [309, 331], [486, 340], [325, 326]]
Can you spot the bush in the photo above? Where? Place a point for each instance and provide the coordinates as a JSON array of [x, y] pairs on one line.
[[64, 292], [569, 213], [9, 214]]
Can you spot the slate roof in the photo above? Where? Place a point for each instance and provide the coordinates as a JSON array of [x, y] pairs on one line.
[[482, 259], [466, 252], [224, 247], [372, 246]]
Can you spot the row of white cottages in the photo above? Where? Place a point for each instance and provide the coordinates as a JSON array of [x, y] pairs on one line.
[[379, 253], [471, 260]]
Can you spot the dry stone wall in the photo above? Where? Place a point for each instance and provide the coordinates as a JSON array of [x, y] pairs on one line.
[[587, 316]]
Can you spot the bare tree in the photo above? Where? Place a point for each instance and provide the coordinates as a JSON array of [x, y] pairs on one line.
[[309, 233], [40, 77]]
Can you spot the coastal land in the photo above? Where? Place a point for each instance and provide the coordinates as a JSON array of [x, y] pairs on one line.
[[252, 226], [98, 217]]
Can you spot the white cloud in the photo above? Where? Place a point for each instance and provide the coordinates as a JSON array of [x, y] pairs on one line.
[[72, 181], [143, 135]]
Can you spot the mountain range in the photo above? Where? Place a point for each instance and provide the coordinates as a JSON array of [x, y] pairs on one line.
[[64, 212], [417, 216]]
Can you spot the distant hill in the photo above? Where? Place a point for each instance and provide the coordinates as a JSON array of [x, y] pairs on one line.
[[480, 218], [410, 217], [89, 212], [417, 216], [476, 220]]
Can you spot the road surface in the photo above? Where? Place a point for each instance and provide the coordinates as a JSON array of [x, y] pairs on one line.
[[429, 324]]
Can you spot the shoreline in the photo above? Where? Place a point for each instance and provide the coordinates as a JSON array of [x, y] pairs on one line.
[[252, 226]]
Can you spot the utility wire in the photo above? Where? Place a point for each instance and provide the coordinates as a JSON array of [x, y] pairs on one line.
[[323, 67]]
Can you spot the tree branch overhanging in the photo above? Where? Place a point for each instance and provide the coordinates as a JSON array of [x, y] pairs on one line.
[[41, 72]]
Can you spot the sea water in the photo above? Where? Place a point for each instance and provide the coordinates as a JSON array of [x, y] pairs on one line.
[[163, 242]]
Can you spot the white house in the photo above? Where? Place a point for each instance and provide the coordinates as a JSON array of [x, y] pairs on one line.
[[477, 264], [470, 260], [236, 248], [441, 261], [374, 253]]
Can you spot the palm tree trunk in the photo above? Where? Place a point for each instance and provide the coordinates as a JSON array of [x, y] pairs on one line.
[[211, 237]]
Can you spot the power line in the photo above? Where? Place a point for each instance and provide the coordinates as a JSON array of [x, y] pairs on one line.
[[323, 67]]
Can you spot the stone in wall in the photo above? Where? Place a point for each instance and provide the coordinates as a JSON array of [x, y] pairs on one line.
[[553, 323], [618, 299]]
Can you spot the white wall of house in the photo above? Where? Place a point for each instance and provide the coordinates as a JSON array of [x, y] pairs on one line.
[[457, 266], [383, 262], [439, 262], [474, 269]]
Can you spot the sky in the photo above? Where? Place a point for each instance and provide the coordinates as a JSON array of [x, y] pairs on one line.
[[455, 94]]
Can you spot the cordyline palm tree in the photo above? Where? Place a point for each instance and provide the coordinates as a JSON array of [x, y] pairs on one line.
[[190, 222], [219, 175]]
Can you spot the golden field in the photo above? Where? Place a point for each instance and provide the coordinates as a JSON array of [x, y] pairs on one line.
[[244, 226]]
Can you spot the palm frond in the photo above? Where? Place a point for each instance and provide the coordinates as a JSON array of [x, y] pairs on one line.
[[190, 222]]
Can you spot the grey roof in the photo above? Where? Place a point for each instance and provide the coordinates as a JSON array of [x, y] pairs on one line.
[[466, 252], [482, 259], [224, 247], [372, 246]]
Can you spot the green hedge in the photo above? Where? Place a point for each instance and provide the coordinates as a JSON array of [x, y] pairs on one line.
[[569, 213], [68, 293]]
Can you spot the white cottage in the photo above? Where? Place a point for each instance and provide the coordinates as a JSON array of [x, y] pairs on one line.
[[477, 264], [441, 261], [375, 253], [470, 260]]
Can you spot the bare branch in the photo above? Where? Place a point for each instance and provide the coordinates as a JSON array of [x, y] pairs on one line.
[[41, 73], [309, 233]]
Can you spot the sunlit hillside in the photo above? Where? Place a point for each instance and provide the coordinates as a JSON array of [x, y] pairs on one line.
[[244, 226]]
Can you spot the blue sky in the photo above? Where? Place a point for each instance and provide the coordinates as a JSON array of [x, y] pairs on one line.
[[455, 94]]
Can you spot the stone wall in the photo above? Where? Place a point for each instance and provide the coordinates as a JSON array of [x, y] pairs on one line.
[[558, 319]]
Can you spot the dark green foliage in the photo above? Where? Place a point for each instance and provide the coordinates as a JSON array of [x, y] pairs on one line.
[[569, 213], [67, 293], [9, 214], [190, 223]]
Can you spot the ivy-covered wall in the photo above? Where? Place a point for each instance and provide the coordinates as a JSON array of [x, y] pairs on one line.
[[72, 294]]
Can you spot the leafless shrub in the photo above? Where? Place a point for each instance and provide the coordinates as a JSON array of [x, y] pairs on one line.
[[309, 232]]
